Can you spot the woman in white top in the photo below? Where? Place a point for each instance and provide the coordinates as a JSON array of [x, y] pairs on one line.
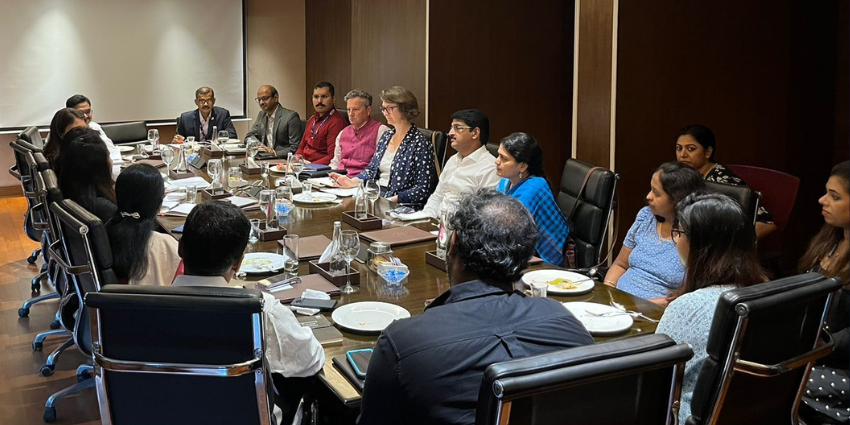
[[141, 255]]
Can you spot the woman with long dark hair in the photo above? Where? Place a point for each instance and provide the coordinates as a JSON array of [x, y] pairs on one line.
[[520, 165], [64, 120], [648, 265], [85, 172], [717, 245], [827, 397], [141, 256]]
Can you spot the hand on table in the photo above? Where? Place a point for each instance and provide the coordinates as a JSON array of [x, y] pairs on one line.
[[344, 182], [178, 139]]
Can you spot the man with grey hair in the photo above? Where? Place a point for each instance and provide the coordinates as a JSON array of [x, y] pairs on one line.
[[201, 122], [428, 369], [356, 143]]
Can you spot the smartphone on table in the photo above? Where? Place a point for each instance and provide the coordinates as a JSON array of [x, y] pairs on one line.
[[359, 360]]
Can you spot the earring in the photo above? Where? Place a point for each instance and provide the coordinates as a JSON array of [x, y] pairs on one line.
[[520, 175]]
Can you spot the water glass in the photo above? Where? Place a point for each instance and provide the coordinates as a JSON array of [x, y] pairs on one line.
[[266, 199], [167, 158], [373, 192], [254, 237], [307, 187], [296, 164], [191, 193], [282, 207], [234, 178], [153, 139], [142, 148], [214, 170], [223, 137], [539, 289], [290, 254], [349, 246], [265, 173]]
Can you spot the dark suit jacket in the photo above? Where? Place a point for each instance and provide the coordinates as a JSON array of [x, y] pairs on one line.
[[287, 131], [189, 123]]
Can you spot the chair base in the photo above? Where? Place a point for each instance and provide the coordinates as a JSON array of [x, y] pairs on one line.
[[38, 342], [50, 366], [34, 256], [50, 410], [24, 311]]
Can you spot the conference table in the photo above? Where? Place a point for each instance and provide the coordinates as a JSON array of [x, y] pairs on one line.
[[424, 283]]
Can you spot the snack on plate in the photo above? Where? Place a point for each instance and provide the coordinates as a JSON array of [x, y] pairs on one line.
[[563, 283]]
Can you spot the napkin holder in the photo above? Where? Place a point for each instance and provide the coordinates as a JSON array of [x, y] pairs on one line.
[[323, 269], [267, 234], [371, 222], [177, 174], [251, 171], [435, 260], [208, 194]]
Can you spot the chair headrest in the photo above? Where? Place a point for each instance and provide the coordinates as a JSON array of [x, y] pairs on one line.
[[179, 297]]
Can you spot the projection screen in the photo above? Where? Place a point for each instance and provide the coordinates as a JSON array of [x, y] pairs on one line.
[[135, 59]]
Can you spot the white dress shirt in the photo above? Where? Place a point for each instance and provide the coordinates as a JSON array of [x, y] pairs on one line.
[[462, 174]]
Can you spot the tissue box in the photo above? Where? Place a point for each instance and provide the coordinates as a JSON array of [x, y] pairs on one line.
[[371, 222], [323, 269]]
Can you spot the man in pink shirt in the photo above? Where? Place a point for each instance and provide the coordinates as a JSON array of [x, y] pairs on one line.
[[355, 144], [319, 140]]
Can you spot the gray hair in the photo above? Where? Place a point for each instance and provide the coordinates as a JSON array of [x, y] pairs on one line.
[[361, 94], [494, 235]]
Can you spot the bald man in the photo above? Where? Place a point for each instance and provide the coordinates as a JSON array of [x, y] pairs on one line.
[[278, 129]]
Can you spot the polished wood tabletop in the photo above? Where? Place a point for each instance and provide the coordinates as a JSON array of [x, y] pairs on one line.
[[424, 283]]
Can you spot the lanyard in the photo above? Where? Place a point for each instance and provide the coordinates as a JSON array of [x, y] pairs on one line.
[[315, 131]]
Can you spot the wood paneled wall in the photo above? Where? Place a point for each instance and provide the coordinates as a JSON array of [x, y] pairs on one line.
[[367, 44], [762, 78], [513, 60]]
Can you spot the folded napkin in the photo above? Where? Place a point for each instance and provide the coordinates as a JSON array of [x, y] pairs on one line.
[[312, 294]]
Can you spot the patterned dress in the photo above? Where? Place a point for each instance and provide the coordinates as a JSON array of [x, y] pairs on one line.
[[721, 174], [413, 175]]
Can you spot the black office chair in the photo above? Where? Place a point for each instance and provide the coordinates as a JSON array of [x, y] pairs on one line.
[[630, 381], [763, 342], [21, 170], [438, 142], [87, 258], [493, 148], [746, 197], [127, 133], [180, 355], [592, 209], [32, 136], [344, 114]]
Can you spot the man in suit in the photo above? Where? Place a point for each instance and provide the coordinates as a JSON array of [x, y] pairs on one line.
[[200, 122], [278, 129]]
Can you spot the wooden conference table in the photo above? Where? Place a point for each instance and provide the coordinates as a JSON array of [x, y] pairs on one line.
[[425, 282]]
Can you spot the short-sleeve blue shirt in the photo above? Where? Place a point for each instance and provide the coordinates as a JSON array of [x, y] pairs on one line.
[[654, 265]]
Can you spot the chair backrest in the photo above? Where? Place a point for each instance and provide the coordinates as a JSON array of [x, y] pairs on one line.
[[631, 381], [493, 148], [762, 344], [32, 136], [592, 210], [49, 193], [438, 143], [126, 132], [779, 191], [180, 355], [746, 197], [344, 114]]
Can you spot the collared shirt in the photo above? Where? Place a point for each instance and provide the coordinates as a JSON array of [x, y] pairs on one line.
[[428, 369], [319, 140], [270, 127], [461, 174], [205, 125], [291, 350], [362, 143]]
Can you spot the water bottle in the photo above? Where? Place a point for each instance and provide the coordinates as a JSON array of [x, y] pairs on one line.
[[214, 139], [361, 207], [337, 265]]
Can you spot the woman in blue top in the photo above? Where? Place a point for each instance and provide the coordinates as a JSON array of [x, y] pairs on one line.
[[648, 265], [403, 162], [520, 164]]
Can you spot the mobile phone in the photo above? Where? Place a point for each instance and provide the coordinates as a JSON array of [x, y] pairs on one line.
[[178, 229], [359, 360], [324, 305]]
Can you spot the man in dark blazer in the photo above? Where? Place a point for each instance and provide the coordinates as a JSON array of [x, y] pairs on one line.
[[278, 129], [200, 122]]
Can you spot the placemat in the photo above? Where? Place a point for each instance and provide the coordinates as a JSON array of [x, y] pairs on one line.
[[397, 236], [311, 247]]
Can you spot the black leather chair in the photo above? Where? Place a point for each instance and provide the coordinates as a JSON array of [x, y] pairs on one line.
[[631, 381], [22, 152], [32, 136], [438, 142], [493, 148], [127, 133], [762, 345], [592, 210], [746, 197], [87, 258], [344, 114], [179, 355]]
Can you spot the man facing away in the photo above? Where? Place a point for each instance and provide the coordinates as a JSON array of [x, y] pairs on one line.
[[200, 122], [214, 238], [428, 369], [319, 140], [278, 129], [472, 168], [355, 144], [83, 104]]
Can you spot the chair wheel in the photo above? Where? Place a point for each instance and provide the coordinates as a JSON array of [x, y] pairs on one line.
[[31, 259], [46, 370], [37, 346], [55, 324], [83, 376], [23, 312], [49, 414], [35, 284]]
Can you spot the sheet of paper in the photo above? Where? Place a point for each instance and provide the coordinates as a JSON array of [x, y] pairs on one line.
[[181, 210], [191, 181], [338, 191], [241, 201]]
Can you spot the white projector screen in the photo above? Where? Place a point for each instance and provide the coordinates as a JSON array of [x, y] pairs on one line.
[[135, 59]]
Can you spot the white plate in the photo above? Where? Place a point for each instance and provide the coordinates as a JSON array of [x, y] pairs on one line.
[[368, 316], [125, 149], [262, 262], [617, 322], [274, 168], [550, 275], [314, 198]]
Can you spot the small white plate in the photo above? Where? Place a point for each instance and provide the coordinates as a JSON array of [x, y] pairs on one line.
[[586, 284], [262, 262], [277, 168], [314, 198], [617, 322], [368, 316], [125, 149]]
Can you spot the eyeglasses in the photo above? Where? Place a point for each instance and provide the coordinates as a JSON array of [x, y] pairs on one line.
[[676, 233], [205, 101], [459, 128], [86, 112], [263, 99], [388, 109]]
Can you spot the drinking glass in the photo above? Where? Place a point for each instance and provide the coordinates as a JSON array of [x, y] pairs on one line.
[[266, 198], [191, 193], [307, 187], [297, 164], [265, 173], [223, 137], [254, 237], [252, 145], [214, 170], [282, 207], [349, 246], [234, 178], [373, 192], [167, 158], [290, 253], [153, 139], [142, 147]]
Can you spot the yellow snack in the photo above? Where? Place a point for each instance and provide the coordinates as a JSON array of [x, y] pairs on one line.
[[563, 283]]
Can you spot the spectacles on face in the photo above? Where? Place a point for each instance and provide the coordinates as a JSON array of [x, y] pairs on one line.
[[676, 233], [86, 112], [263, 99], [388, 109], [459, 128], [205, 101]]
